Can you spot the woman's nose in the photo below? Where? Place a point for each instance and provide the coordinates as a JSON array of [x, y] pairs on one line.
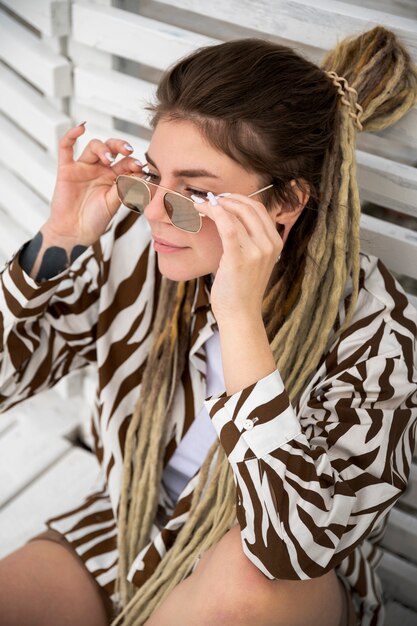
[[155, 210]]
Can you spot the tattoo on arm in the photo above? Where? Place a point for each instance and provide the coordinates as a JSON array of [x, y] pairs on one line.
[[54, 261]]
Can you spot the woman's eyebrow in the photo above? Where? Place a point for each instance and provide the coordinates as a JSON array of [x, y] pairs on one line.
[[193, 173]]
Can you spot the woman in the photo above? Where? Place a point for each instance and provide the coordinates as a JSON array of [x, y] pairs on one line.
[[243, 284]]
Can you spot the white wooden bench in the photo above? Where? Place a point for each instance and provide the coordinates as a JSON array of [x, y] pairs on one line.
[[117, 54]]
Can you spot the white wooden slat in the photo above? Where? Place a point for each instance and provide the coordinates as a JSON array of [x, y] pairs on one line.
[[93, 131], [395, 245], [397, 614], [320, 22], [25, 455], [401, 534], [404, 131], [119, 32], [51, 17], [12, 235], [24, 105], [30, 57], [384, 147], [120, 95], [399, 579], [26, 159], [387, 183], [47, 415], [61, 488], [409, 498], [22, 204]]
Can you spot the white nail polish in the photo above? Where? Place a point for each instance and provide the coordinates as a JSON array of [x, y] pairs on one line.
[[212, 199], [197, 199], [109, 156], [139, 162], [223, 195], [127, 146]]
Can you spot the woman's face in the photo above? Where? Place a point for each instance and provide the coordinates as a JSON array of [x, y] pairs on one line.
[[181, 159]]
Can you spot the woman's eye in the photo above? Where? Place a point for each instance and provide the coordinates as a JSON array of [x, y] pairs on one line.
[[196, 192], [150, 177]]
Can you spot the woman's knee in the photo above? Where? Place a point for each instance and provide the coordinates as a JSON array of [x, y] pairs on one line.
[[43, 584], [240, 594]]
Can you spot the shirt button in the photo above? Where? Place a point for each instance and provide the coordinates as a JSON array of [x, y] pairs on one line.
[[248, 424]]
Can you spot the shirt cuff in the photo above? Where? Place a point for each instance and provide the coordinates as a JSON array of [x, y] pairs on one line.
[[23, 296], [255, 421]]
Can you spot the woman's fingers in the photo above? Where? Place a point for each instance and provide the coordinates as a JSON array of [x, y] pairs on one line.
[[104, 152], [66, 144], [127, 165], [246, 216]]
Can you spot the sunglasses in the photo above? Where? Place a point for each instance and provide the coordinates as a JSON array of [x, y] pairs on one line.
[[135, 194]]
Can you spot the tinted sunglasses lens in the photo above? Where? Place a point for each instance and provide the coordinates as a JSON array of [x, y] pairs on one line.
[[133, 193], [182, 213]]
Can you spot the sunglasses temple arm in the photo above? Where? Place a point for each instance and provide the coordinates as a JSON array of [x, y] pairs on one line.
[[254, 193]]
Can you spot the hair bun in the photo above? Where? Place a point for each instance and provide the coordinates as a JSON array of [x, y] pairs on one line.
[[378, 67]]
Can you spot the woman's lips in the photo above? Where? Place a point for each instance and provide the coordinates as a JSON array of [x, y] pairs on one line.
[[160, 245]]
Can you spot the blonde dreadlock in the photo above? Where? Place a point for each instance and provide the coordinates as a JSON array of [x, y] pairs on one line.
[[375, 77]]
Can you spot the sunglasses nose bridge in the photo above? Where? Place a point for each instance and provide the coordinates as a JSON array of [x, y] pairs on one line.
[[155, 209]]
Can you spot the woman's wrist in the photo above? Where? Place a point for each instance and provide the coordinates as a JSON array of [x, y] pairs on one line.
[[49, 254], [246, 353]]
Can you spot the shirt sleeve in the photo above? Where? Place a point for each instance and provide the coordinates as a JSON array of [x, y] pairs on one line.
[[312, 483], [47, 329]]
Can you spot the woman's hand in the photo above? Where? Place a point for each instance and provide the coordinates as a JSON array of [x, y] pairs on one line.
[[251, 246], [85, 198]]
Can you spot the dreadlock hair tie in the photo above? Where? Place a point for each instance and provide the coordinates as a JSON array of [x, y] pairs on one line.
[[349, 97]]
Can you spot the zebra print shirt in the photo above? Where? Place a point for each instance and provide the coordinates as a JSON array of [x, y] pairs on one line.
[[314, 483]]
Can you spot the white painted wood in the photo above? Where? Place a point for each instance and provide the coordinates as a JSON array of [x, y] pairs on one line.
[[320, 22], [387, 183], [120, 95], [47, 413], [51, 17], [63, 487], [31, 111], [12, 235], [395, 245], [409, 498], [404, 131], [24, 456], [133, 36], [86, 56], [81, 113], [23, 51], [401, 534], [26, 159], [399, 579], [93, 131], [397, 614], [22, 204]]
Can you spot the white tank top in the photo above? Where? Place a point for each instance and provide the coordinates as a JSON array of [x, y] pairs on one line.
[[193, 448]]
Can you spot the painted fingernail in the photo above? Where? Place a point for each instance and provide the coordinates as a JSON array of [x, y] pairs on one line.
[[212, 199], [82, 123], [109, 156], [127, 146], [221, 195], [197, 199], [139, 162]]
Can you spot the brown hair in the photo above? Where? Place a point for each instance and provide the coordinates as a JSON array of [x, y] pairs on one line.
[[283, 117]]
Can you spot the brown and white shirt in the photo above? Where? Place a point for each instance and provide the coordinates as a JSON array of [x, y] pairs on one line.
[[314, 483]]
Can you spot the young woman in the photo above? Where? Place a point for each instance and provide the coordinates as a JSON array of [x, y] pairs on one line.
[[233, 274]]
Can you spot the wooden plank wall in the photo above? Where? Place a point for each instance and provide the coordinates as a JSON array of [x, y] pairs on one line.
[[65, 61]]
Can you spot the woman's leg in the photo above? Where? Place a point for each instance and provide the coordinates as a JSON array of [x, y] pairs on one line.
[[227, 589], [43, 584]]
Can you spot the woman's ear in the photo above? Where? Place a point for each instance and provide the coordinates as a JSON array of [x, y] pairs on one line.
[[285, 216]]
